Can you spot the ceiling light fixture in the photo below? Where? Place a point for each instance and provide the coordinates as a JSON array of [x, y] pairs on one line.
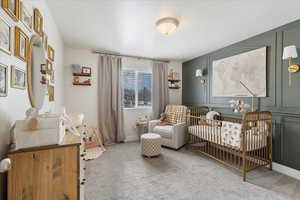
[[167, 25]]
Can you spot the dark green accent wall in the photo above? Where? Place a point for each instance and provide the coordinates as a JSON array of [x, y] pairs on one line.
[[283, 101]]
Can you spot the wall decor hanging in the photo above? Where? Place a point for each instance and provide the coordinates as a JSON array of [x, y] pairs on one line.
[[43, 68], [51, 93], [3, 80], [45, 41], [49, 65], [86, 70], [18, 78], [5, 39], [12, 7], [52, 79], [26, 16], [249, 67], [38, 22], [21, 44], [50, 53]]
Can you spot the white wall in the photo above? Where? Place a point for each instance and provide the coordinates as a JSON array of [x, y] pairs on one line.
[[175, 95], [16, 103], [81, 99]]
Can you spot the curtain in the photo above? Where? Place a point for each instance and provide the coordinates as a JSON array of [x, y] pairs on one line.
[[111, 121], [160, 94]]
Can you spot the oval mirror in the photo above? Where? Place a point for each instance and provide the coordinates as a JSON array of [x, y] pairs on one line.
[[37, 87]]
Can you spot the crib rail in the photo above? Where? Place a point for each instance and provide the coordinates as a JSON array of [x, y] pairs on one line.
[[250, 150]]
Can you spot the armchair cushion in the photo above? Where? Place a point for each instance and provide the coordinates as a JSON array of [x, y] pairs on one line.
[[164, 131], [176, 114]]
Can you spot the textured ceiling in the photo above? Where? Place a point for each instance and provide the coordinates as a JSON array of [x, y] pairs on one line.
[[128, 26]]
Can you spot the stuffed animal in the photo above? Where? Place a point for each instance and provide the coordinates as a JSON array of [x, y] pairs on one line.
[[31, 119]]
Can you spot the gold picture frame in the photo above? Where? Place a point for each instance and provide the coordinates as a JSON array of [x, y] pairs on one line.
[[45, 41], [26, 17], [49, 66], [21, 44], [38, 22], [6, 32], [12, 8], [18, 78], [51, 53], [3, 80], [51, 93]]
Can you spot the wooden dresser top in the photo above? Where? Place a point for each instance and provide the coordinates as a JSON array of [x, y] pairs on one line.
[[69, 140]]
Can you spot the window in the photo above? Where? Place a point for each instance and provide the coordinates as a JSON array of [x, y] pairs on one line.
[[137, 89]]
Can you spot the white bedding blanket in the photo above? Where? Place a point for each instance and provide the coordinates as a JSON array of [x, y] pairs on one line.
[[230, 135]]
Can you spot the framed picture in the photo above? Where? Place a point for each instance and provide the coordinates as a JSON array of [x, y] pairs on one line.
[[45, 41], [5, 36], [12, 7], [50, 53], [86, 70], [21, 44], [51, 92], [26, 16], [18, 78], [43, 68], [38, 22], [44, 80], [49, 65], [52, 79], [3, 80]]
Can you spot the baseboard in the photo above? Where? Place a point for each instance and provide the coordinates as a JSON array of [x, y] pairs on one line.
[[131, 138], [286, 170]]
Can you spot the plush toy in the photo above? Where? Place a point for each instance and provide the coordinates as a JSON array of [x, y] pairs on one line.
[[163, 117], [31, 119]]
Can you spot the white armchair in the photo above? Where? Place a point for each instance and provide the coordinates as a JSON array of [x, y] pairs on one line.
[[173, 135]]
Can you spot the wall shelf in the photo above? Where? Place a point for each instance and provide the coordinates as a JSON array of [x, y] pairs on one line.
[[82, 84], [173, 81], [174, 87], [82, 74]]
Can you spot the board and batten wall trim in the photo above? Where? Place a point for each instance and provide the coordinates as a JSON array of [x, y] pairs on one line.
[[283, 101]]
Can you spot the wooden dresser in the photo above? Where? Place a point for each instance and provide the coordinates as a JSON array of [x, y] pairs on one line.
[[48, 173]]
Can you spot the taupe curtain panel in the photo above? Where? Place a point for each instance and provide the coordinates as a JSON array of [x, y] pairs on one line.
[[111, 121], [160, 94]]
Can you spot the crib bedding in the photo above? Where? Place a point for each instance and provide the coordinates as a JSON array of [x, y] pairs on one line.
[[222, 135]]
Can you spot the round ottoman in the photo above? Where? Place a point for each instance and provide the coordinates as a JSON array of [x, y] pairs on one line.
[[150, 144]]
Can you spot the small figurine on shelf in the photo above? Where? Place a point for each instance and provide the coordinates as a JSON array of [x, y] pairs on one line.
[[76, 79]]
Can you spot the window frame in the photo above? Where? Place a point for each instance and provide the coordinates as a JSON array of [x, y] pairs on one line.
[[137, 91]]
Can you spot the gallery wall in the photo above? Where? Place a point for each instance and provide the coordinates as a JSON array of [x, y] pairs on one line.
[[283, 101], [13, 106]]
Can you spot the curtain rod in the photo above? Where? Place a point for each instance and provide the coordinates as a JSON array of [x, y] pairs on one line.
[[130, 56]]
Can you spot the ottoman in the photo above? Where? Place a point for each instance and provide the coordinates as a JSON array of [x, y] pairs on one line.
[[150, 144]]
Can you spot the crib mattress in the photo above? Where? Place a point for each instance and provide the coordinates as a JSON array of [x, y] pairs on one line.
[[217, 135]]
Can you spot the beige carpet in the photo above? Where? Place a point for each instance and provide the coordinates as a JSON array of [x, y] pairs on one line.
[[122, 174]]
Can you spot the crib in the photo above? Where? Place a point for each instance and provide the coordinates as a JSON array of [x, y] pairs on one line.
[[243, 144]]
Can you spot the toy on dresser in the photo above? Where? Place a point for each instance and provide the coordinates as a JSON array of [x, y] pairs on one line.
[[41, 130]]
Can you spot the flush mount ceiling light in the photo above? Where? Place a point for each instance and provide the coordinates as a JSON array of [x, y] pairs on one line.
[[167, 25]]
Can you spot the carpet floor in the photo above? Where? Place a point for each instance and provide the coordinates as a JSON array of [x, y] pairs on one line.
[[121, 173]]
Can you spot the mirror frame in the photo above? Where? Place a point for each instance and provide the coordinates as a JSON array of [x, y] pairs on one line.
[[29, 70]]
